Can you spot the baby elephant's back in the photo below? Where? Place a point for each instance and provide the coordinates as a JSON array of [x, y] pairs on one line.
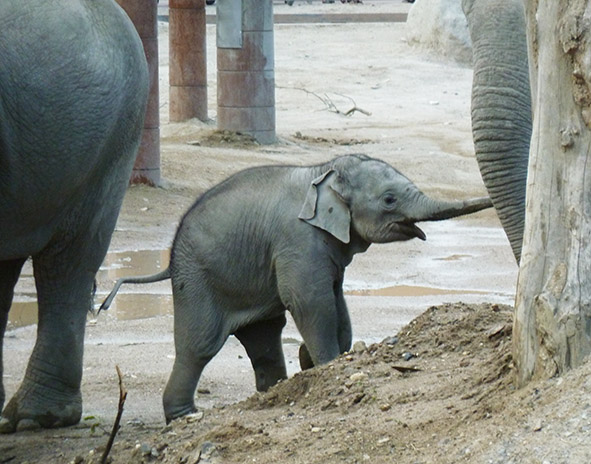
[[234, 227]]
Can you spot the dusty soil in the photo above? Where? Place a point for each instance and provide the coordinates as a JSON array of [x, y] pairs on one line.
[[430, 378]]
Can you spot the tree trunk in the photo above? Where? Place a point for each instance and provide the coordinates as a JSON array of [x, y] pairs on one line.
[[552, 329]]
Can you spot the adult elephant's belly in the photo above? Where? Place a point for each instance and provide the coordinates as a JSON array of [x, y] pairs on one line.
[[23, 234], [34, 212]]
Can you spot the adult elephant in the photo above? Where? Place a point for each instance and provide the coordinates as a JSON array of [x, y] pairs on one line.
[[73, 91], [501, 107]]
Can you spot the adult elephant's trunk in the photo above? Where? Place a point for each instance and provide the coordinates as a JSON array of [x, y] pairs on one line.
[[428, 209], [501, 107]]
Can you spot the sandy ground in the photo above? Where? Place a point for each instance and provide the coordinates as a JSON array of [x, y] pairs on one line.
[[419, 122]]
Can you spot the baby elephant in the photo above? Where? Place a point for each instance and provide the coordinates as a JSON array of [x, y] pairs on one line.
[[277, 238]]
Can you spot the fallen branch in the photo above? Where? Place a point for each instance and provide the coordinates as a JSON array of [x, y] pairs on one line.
[[329, 103], [122, 398]]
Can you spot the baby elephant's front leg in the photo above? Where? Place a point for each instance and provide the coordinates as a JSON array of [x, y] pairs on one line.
[[344, 331]]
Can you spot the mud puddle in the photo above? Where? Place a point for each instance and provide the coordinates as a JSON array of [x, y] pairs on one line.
[[126, 306], [144, 301], [412, 290]]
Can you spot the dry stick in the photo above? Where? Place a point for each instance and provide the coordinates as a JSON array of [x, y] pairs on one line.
[[355, 107], [122, 397], [330, 106]]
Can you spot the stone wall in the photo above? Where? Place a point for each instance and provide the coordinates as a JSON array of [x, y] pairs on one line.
[[440, 27]]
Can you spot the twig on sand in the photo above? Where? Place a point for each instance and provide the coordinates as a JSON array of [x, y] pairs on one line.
[[122, 398], [330, 104]]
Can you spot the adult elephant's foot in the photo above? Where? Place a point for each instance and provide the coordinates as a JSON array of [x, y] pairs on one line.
[[36, 409]]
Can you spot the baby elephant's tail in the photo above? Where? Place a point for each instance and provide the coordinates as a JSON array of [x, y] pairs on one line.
[[163, 275]]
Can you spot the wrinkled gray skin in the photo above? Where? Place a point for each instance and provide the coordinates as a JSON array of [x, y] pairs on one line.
[[501, 107], [273, 239], [73, 89]]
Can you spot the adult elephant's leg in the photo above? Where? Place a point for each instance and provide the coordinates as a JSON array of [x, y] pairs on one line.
[[9, 272], [199, 334], [262, 341], [49, 395]]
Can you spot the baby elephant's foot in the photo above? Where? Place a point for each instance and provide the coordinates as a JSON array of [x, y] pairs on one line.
[[33, 411], [305, 358], [172, 412]]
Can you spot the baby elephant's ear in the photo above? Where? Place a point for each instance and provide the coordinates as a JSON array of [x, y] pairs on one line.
[[324, 208]]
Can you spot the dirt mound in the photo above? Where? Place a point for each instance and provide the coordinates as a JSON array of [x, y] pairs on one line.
[[440, 391], [440, 332], [382, 403]]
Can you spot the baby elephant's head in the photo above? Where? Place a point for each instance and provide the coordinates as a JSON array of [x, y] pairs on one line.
[[375, 201]]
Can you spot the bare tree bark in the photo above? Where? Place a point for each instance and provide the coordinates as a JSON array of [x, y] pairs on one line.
[[552, 329]]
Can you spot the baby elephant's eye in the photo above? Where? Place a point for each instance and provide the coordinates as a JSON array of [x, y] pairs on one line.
[[389, 200]]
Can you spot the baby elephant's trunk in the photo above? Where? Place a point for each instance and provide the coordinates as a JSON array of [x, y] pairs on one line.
[[427, 209]]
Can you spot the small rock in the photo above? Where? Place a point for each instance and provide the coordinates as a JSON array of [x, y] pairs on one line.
[[498, 331], [359, 347], [195, 417], [358, 377], [135, 423], [207, 450], [390, 340], [315, 430], [358, 398], [407, 356], [385, 407], [145, 449]]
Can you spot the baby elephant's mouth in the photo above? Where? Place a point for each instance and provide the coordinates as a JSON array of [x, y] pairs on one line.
[[411, 230]]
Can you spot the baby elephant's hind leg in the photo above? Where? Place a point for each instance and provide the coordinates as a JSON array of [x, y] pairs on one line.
[[198, 337], [262, 341]]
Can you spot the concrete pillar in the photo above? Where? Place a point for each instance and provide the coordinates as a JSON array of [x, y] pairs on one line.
[[246, 71], [143, 14], [188, 60]]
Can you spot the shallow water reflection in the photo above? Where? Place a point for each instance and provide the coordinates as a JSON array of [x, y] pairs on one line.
[[133, 263], [411, 290], [149, 300], [22, 313], [126, 306]]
